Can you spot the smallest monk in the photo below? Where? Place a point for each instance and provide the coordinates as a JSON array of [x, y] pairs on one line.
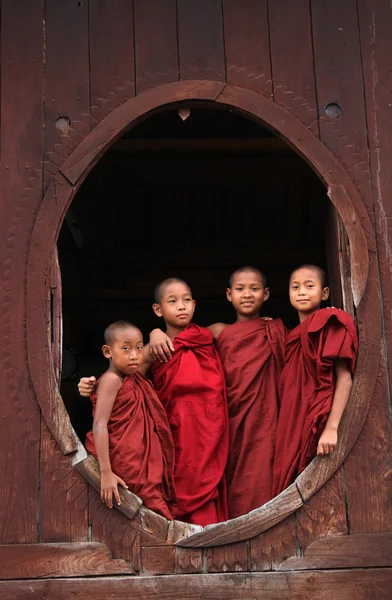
[[131, 435], [320, 356]]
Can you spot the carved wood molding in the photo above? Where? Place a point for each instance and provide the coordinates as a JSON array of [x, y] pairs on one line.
[[348, 203]]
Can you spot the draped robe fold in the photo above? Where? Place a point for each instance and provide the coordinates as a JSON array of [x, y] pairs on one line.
[[191, 387], [307, 387], [141, 447], [252, 354]]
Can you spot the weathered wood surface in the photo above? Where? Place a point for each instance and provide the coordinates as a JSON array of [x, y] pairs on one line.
[[67, 81], [292, 60], [155, 43], [247, 48], [200, 25], [346, 551], [268, 550], [369, 584], [63, 508], [20, 197], [230, 558], [33, 561], [110, 527], [111, 55], [249, 525]]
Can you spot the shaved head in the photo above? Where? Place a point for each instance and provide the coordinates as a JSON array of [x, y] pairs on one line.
[[161, 287], [321, 274], [112, 330], [248, 269]]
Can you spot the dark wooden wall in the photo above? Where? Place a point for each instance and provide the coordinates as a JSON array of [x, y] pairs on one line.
[[79, 60]]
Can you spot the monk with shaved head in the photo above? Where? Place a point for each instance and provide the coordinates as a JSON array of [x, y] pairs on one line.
[[320, 356]]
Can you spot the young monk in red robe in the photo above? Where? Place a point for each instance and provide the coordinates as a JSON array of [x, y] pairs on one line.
[[191, 387], [317, 377], [252, 354], [131, 436]]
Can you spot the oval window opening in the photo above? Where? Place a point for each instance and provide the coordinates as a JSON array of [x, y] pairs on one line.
[[194, 193]]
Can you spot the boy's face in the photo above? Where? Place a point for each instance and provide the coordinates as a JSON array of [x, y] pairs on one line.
[[176, 306], [306, 291], [125, 351], [247, 294]]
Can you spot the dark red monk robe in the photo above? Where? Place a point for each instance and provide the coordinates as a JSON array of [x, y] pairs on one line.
[[141, 447], [252, 354], [307, 387], [191, 388]]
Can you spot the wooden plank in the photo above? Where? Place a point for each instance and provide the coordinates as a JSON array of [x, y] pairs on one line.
[[89, 468], [20, 193], [375, 22], [346, 551], [158, 560], [63, 507], [92, 149], [247, 46], [292, 60], [67, 84], [247, 526], [200, 40], [324, 513], [119, 533], [112, 61], [368, 467], [56, 314], [230, 558], [59, 560], [361, 584], [273, 547], [338, 70], [155, 43]]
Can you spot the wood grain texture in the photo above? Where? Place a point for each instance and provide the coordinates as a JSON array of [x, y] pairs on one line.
[[249, 525], [20, 197], [292, 60], [338, 69], [346, 551], [67, 80], [369, 584], [268, 550], [155, 43], [63, 507], [200, 26], [225, 559], [247, 47], [158, 560], [119, 533], [34, 561], [112, 61], [188, 560]]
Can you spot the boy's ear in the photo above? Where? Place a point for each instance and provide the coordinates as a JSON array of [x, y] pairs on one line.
[[106, 351], [325, 294], [228, 294], [157, 309], [266, 293]]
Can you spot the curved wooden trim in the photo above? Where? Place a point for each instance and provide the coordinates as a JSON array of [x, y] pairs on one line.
[[342, 193]]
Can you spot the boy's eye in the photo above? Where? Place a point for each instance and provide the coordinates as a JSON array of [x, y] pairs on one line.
[[171, 301], [140, 348], [126, 348], [188, 299]]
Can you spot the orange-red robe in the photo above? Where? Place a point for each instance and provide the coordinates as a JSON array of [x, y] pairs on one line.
[[141, 447], [252, 354], [191, 387], [307, 387]]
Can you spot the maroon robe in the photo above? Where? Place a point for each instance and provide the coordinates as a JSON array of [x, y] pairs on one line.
[[191, 387], [252, 354], [141, 447], [307, 387]]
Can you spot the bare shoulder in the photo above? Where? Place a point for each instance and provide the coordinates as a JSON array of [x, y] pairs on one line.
[[110, 381], [217, 328]]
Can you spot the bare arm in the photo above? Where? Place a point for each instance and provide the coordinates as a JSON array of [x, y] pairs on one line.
[[329, 437], [216, 329], [147, 360], [108, 388], [160, 346]]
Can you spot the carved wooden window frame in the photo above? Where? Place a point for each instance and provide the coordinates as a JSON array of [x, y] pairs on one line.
[[365, 293]]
